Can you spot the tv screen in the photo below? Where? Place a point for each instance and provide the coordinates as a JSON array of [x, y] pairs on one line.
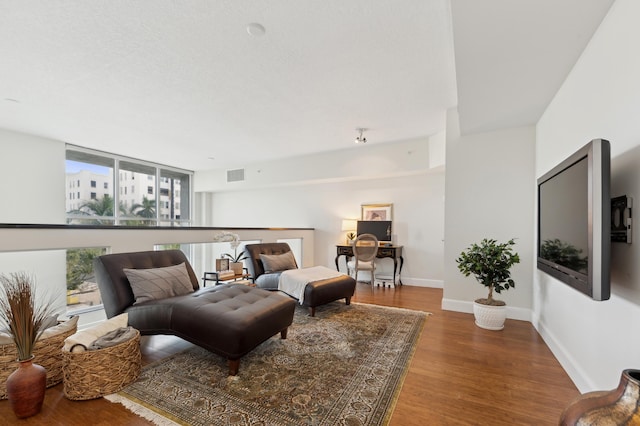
[[574, 217], [380, 228]]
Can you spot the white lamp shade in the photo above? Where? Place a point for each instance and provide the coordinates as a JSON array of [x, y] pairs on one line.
[[349, 224]]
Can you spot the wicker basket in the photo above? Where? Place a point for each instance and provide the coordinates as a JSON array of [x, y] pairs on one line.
[[47, 352], [92, 374]]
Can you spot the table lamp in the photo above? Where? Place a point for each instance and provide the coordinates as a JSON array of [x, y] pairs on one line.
[[349, 225]]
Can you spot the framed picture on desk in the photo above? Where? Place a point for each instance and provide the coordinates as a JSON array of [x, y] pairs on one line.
[[377, 211]]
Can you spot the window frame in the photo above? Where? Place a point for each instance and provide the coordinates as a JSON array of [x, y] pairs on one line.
[[77, 153]]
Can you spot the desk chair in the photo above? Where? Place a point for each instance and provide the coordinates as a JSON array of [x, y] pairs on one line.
[[365, 249]]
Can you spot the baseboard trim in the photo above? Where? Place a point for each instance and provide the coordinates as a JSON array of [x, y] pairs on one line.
[[465, 306], [579, 377], [421, 282]]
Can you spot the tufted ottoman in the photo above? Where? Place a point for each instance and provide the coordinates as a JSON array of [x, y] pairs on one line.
[[324, 291], [231, 320]]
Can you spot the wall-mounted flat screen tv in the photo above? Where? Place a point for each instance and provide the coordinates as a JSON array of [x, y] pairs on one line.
[[380, 228], [574, 220]]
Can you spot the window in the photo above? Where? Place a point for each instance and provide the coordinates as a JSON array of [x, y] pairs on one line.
[[142, 210], [177, 188], [138, 209], [82, 290]]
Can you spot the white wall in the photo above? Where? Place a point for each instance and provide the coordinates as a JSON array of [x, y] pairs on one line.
[[595, 341], [28, 165], [319, 191], [489, 183]]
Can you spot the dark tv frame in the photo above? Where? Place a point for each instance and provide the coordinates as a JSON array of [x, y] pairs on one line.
[[596, 283], [377, 228]]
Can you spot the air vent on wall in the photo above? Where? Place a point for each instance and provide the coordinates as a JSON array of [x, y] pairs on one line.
[[236, 175]]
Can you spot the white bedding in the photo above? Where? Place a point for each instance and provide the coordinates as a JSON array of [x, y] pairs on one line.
[[293, 281]]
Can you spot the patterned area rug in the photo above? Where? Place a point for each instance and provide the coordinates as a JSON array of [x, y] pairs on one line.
[[344, 366]]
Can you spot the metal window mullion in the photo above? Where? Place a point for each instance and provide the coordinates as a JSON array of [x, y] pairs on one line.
[[116, 190], [157, 196]]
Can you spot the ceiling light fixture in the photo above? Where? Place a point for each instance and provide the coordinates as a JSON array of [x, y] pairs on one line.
[[360, 138], [255, 29]]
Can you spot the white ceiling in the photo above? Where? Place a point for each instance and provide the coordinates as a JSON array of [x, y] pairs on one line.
[[513, 56], [182, 82]]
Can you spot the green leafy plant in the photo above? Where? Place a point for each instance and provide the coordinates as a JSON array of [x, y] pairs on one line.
[[80, 265], [490, 263], [235, 257], [20, 315]]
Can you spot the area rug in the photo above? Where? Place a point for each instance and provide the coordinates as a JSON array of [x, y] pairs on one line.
[[343, 366]]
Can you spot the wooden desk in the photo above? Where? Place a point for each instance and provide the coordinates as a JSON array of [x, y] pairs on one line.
[[393, 252]]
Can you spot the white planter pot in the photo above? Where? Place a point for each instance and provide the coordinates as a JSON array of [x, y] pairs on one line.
[[489, 317]]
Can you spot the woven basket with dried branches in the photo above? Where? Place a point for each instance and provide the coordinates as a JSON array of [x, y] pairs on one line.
[[20, 315]]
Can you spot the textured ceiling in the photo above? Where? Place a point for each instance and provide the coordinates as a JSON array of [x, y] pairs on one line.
[[182, 82]]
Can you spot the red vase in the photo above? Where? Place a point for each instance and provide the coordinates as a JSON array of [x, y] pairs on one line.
[[25, 388], [620, 406]]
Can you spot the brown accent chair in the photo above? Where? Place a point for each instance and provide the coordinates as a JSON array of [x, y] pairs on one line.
[[315, 293]]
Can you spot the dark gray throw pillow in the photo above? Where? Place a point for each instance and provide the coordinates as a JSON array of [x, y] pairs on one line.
[[278, 262], [159, 283]]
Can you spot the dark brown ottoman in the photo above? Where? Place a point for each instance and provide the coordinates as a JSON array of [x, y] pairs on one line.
[[320, 292], [231, 320]]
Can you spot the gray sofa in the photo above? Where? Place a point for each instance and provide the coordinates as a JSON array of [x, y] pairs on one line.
[[230, 320], [315, 293]]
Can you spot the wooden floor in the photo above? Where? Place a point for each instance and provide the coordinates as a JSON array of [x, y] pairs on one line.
[[459, 375]]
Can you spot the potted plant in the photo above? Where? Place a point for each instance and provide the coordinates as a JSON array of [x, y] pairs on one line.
[[24, 320], [235, 259], [490, 263]]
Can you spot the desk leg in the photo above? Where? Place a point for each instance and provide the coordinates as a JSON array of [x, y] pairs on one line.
[[400, 271], [337, 267], [395, 268]]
